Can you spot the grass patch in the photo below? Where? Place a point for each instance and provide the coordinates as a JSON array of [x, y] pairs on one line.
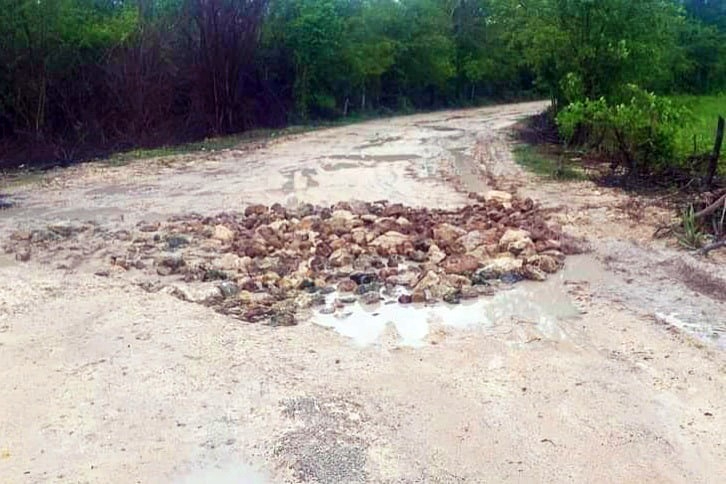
[[551, 165], [700, 128], [233, 140]]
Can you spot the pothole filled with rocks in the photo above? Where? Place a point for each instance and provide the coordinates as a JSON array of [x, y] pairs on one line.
[[272, 264]]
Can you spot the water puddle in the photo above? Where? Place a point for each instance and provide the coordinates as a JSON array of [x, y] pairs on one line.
[[401, 157], [225, 474], [542, 304]]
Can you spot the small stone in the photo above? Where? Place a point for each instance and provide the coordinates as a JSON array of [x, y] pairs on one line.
[[102, 273], [407, 279], [418, 297], [164, 270], [460, 264], [174, 242], [516, 241], [418, 256], [149, 227], [544, 262], [253, 210], [477, 238], [170, 261], [223, 233], [340, 257], [214, 275], [307, 285], [347, 286], [435, 254], [359, 236], [499, 196], [327, 310], [370, 298], [282, 319], [453, 297], [533, 273], [66, 229], [390, 243], [448, 233], [405, 299], [228, 288], [496, 268], [23, 254], [363, 277], [511, 278], [366, 288]]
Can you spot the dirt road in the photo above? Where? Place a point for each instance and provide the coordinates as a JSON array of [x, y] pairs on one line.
[[611, 371]]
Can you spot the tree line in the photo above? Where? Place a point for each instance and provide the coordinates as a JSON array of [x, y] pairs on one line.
[[82, 78]]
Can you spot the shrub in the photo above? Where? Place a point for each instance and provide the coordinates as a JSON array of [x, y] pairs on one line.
[[639, 134]]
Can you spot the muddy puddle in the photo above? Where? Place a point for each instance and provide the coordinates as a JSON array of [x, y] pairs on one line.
[[543, 304]]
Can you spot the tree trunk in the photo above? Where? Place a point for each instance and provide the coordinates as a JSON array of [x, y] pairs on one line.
[[713, 161]]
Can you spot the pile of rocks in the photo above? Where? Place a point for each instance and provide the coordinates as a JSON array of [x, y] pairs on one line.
[[270, 262]]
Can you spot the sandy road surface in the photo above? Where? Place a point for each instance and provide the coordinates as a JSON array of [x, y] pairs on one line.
[[104, 382]]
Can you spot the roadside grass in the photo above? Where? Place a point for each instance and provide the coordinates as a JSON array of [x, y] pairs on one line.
[[230, 141], [699, 130], [209, 144], [558, 166]]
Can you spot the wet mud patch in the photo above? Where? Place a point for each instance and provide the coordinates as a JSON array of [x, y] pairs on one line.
[[275, 265], [378, 142], [381, 158]]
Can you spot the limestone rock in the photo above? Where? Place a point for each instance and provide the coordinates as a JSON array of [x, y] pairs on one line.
[[448, 233], [390, 243], [223, 233], [460, 264]]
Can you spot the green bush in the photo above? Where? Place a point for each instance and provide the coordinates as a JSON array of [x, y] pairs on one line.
[[639, 134]]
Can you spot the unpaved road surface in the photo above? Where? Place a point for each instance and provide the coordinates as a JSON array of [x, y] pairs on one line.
[[611, 371]]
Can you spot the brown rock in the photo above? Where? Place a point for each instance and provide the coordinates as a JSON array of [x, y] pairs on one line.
[[222, 233], [347, 285], [544, 262], [407, 279], [359, 236], [435, 254], [499, 196], [390, 243], [341, 221], [340, 257], [460, 264], [516, 241], [496, 268], [533, 273], [448, 233], [257, 209], [432, 286]]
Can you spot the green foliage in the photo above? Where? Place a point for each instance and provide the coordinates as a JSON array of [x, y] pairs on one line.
[[697, 134], [640, 133], [691, 236], [104, 74], [604, 44]]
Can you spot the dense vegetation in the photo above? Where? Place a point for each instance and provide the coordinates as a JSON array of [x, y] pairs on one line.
[[80, 78]]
